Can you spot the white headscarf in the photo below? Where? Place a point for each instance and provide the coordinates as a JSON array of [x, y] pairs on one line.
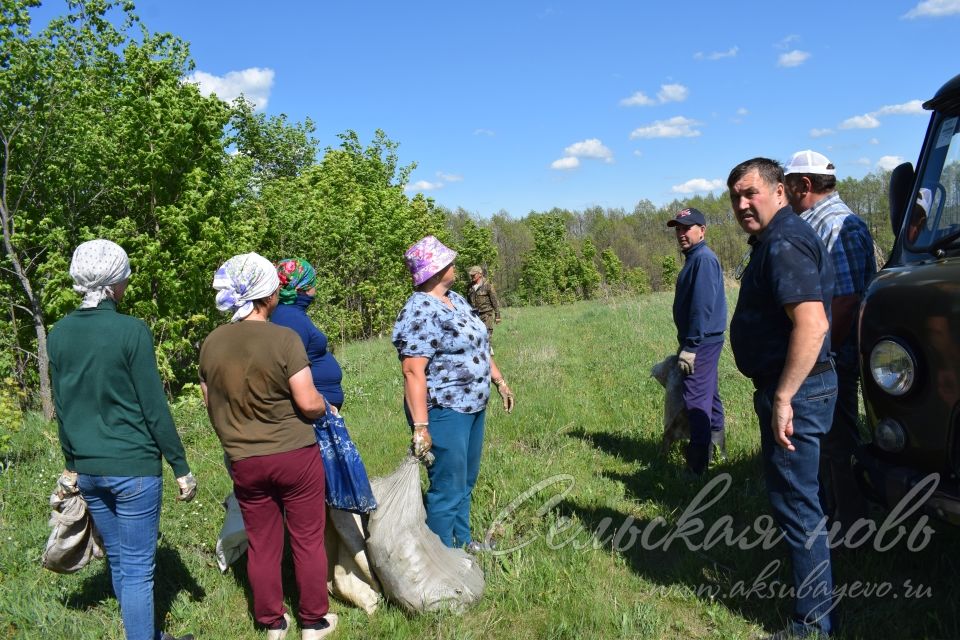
[[97, 265], [241, 280]]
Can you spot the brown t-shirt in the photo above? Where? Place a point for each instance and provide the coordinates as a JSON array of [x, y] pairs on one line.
[[247, 367]]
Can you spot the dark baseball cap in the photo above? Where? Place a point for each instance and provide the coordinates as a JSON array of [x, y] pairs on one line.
[[688, 218]]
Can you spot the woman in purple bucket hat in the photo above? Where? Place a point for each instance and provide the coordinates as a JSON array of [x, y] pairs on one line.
[[447, 368]]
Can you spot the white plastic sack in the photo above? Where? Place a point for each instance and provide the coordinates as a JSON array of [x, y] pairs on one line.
[[74, 539], [349, 575], [232, 542], [415, 568]]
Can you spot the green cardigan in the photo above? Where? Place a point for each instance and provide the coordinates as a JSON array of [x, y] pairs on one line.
[[111, 408]]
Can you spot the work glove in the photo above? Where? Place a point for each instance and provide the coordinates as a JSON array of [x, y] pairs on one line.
[[506, 395], [67, 484], [188, 487], [421, 442], [685, 362]]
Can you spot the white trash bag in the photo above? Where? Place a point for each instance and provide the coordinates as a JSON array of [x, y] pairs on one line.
[[415, 568], [232, 542], [349, 575]]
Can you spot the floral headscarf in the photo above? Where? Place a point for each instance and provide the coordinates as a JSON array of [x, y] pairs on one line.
[[241, 280], [296, 275], [95, 267]]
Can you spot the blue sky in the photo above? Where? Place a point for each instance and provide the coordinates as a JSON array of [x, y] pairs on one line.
[[522, 106]]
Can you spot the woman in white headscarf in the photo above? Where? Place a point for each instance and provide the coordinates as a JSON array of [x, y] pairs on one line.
[[260, 396], [114, 427]]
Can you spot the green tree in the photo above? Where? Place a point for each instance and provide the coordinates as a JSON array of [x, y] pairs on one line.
[[474, 246], [668, 272], [101, 138], [612, 269]]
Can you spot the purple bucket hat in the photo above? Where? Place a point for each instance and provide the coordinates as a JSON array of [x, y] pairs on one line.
[[427, 258]]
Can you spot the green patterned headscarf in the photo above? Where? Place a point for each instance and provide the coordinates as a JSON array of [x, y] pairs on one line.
[[296, 275]]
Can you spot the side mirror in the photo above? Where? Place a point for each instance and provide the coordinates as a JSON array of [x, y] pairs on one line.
[[901, 185]]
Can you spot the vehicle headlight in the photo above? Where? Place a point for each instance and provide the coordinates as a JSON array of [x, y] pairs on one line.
[[892, 367]]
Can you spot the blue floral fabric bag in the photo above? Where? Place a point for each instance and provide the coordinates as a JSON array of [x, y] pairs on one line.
[[348, 487]]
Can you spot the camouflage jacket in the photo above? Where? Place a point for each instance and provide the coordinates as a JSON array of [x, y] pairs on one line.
[[484, 300]]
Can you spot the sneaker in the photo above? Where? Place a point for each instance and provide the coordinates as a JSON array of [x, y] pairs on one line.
[[167, 636], [475, 546], [281, 633], [329, 623]]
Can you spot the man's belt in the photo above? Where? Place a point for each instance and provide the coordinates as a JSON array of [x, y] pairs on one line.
[[821, 367]]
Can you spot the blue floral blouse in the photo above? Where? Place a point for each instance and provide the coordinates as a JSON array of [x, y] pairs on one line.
[[456, 343]]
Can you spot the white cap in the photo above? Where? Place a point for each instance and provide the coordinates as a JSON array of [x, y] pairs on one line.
[[809, 161], [925, 199]]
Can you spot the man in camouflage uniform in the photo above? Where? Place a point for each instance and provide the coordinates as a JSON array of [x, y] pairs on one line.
[[483, 298]]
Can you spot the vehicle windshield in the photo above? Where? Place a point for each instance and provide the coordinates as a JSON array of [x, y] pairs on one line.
[[934, 219]]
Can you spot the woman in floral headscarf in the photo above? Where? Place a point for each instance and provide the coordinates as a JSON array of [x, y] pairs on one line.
[[298, 281], [260, 396], [447, 369]]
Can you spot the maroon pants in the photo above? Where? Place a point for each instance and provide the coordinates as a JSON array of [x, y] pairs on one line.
[[268, 488]]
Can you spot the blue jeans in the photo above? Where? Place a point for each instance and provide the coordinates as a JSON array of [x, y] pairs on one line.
[[126, 511], [457, 445], [793, 489]]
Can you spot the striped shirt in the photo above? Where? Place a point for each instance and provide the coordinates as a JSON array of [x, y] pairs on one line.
[[848, 242]]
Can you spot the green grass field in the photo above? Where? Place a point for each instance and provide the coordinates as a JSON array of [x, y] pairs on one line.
[[587, 428]]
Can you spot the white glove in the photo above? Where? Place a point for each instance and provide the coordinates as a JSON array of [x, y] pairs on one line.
[[685, 362], [188, 487]]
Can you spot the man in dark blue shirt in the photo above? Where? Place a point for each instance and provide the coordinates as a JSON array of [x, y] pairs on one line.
[[700, 313], [781, 341]]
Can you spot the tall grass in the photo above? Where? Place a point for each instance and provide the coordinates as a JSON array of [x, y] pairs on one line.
[[586, 431]]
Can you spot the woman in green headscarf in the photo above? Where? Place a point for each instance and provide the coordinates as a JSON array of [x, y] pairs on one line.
[[298, 281]]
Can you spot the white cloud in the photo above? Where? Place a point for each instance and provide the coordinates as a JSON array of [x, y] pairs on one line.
[[253, 83], [676, 127], [591, 148], [697, 185], [566, 163], [793, 58], [819, 133], [866, 121], [934, 9], [672, 93], [786, 42], [449, 177], [639, 99], [887, 163], [638, 153], [716, 55], [742, 111], [911, 108], [423, 185], [863, 161], [667, 93], [482, 132], [874, 140]]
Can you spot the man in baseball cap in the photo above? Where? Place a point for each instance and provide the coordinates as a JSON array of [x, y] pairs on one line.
[[700, 314], [483, 298], [810, 180]]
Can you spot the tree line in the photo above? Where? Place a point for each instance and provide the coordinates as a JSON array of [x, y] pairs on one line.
[[101, 137]]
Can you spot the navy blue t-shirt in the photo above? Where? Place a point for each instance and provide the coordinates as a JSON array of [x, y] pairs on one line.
[[327, 374], [789, 264]]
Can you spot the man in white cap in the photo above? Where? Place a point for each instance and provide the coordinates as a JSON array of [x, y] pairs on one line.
[[811, 190]]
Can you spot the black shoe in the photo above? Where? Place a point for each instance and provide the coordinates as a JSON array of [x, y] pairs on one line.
[[167, 636], [718, 442]]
